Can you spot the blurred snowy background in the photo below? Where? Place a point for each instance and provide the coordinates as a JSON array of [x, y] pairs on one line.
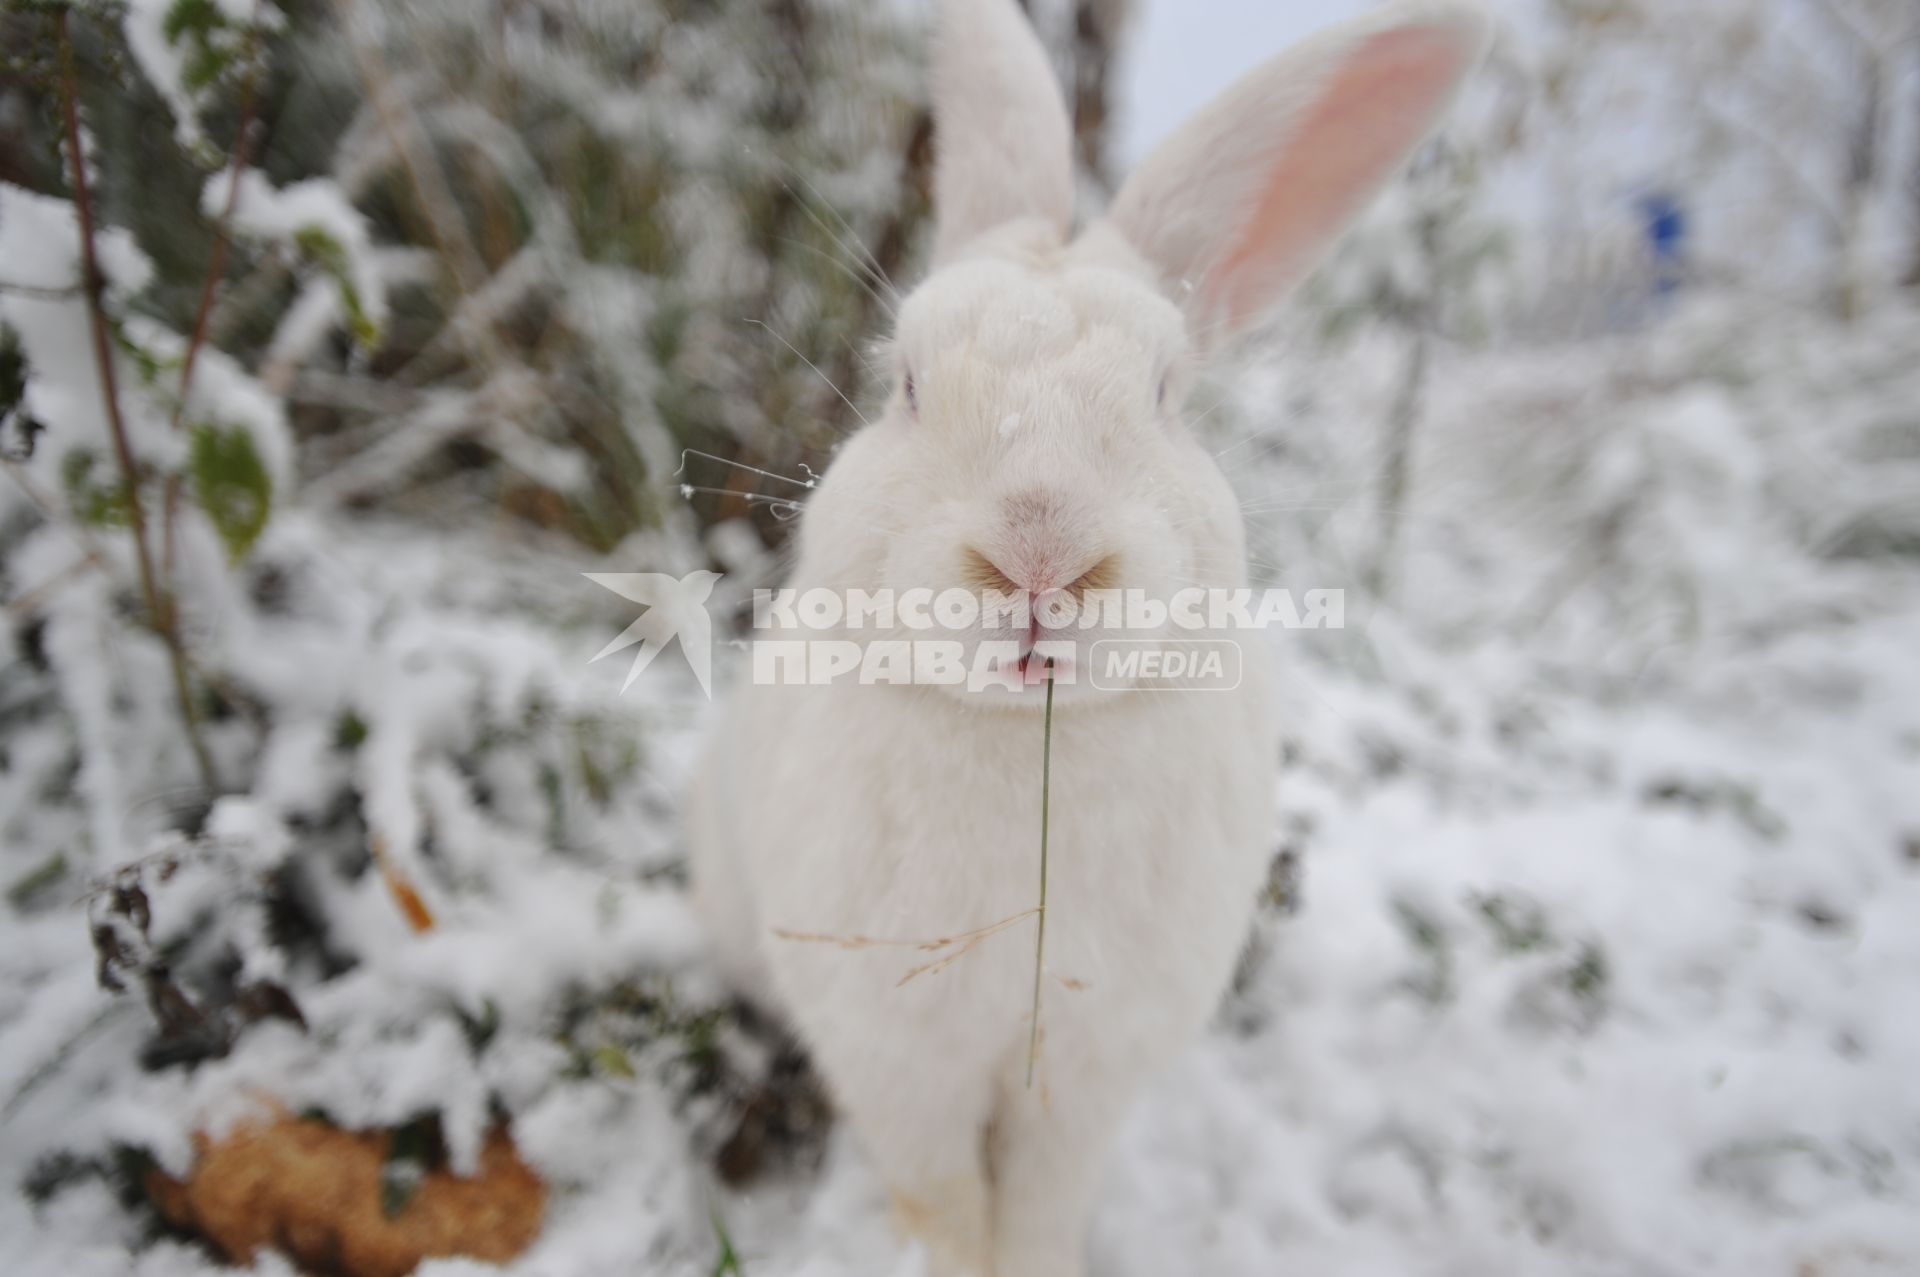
[[337, 339]]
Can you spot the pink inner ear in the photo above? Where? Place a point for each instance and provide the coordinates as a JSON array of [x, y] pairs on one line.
[[1377, 107]]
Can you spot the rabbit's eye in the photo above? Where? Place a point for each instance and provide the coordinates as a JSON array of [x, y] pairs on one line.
[[913, 399]]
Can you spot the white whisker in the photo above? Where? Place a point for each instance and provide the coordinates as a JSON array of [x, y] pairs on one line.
[[809, 363]]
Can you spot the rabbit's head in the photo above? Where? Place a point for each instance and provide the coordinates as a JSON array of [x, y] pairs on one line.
[[1034, 436]]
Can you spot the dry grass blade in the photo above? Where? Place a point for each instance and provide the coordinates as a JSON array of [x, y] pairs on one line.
[[1040, 931], [963, 943], [967, 938], [967, 943]]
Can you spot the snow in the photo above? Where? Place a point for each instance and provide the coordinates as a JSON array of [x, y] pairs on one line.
[[40, 243], [1591, 952], [1583, 978], [314, 206], [164, 62]]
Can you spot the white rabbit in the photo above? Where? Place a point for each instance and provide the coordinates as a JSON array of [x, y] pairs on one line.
[[1034, 437]]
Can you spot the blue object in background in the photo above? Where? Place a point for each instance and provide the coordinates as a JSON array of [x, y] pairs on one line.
[[1665, 219]]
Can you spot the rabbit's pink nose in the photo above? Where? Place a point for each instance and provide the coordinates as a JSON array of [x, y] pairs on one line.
[[1043, 540], [1040, 573]]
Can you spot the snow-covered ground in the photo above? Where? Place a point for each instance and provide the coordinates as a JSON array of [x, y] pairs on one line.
[[1592, 948]]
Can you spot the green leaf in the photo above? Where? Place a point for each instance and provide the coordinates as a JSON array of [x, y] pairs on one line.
[[727, 1264], [1519, 925], [100, 506], [206, 32], [613, 1062], [1428, 937], [231, 484], [192, 17], [410, 1155], [1590, 974], [349, 732], [319, 246], [480, 1029], [149, 364], [38, 879]]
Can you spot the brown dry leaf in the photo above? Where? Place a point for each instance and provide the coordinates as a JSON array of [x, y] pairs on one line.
[[415, 910], [313, 1192]]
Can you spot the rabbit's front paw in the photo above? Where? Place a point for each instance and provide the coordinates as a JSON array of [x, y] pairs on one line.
[[948, 1218]]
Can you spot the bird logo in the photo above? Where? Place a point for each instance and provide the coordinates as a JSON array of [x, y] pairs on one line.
[[676, 608]]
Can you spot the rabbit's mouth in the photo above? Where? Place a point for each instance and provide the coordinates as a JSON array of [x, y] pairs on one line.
[[1038, 668]]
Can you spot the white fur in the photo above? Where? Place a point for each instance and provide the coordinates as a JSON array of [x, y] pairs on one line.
[[1014, 158], [1190, 199], [913, 812]]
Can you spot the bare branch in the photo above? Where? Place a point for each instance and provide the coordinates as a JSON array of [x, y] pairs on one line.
[[162, 616], [41, 292]]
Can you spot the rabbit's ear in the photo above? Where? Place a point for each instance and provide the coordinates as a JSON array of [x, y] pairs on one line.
[[1002, 145], [1243, 201]]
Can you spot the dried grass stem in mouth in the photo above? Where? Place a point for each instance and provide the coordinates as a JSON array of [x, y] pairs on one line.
[[954, 947]]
